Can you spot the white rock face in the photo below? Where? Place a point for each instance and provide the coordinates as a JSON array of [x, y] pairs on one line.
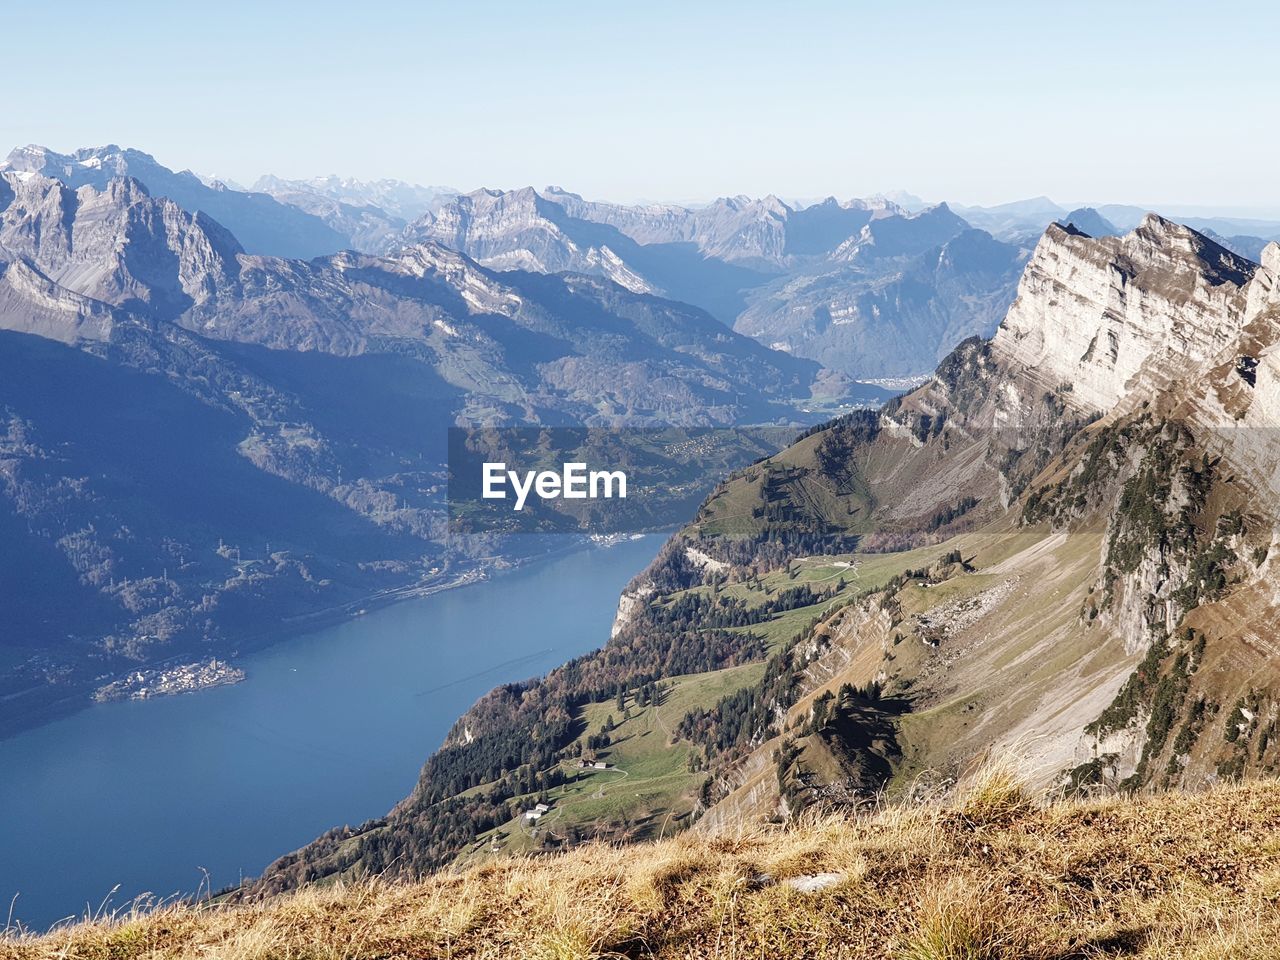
[[1237, 411], [628, 603], [518, 230], [1162, 315], [117, 245], [34, 304], [1092, 313]]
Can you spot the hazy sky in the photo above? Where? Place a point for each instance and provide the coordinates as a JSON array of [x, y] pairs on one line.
[[1153, 103]]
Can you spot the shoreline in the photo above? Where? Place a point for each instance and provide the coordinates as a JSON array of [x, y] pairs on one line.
[[339, 722], [55, 708]]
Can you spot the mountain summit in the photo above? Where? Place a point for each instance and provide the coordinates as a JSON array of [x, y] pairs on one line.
[[260, 222]]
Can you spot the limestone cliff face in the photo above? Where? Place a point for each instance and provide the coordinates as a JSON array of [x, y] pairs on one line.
[[1238, 409], [519, 230], [1094, 312], [118, 245]]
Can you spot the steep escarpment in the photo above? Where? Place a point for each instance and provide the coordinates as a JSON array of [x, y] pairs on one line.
[[1093, 312]]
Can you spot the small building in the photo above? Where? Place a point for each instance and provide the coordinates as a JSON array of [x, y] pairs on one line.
[[541, 808], [600, 765], [533, 815]]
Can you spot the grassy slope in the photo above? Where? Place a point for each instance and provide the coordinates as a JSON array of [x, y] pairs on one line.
[[649, 786], [1027, 672], [659, 788], [988, 876], [650, 789]]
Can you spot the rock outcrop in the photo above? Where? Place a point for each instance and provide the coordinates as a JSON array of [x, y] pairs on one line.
[[262, 223], [1092, 313]]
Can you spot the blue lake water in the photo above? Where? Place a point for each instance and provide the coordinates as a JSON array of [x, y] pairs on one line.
[[329, 728]]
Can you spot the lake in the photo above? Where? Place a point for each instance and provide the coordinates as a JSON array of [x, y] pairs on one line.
[[330, 728]]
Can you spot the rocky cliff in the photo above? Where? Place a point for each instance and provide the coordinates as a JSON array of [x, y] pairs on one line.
[[1093, 312], [262, 224]]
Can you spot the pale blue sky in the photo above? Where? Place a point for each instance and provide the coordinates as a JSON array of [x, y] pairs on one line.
[[1153, 103]]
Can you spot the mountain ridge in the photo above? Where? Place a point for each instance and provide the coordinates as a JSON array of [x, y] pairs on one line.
[[258, 220], [743, 260]]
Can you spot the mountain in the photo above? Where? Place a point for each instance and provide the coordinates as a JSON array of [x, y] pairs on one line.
[[906, 200], [1090, 221], [122, 248], [522, 230], [1014, 219], [1126, 217], [366, 228], [662, 249], [875, 322], [1241, 245], [260, 222], [756, 232], [201, 447], [371, 215], [404, 201], [790, 277], [901, 235], [1060, 548]]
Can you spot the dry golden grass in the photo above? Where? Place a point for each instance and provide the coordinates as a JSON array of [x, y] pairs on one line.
[[989, 875]]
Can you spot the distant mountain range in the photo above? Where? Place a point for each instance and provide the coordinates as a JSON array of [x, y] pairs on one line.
[[779, 272], [1245, 236], [787, 276], [262, 223], [406, 201], [371, 215]]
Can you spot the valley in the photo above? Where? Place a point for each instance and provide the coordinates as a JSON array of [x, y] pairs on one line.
[[503, 481]]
